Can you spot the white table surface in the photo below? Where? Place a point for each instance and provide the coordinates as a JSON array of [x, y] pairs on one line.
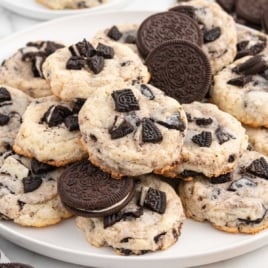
[[11, 23]]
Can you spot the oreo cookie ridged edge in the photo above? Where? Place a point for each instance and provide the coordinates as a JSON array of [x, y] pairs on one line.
[[181, 69], [87, 191]]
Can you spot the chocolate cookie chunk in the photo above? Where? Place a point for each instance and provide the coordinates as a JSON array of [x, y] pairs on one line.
[[250, 10], [87, 191], [165, 26], [181, 70]]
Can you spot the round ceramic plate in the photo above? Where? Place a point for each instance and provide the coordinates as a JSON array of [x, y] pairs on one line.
[[32, 9], [198, 244]]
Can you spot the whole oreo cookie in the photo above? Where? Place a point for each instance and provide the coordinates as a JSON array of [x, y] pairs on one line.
[[87, 191], [181, 70], [165, 26], [251, 10]]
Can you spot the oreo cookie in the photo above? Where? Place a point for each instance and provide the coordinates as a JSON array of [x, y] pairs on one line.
[[181, 69], [250, 10], [165, 26], [87, 191]]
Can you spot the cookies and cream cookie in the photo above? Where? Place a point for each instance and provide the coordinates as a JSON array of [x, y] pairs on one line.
[[137, 130], [258, 138], [23, 70], [71, 4], [213, 143], [235, 202], [13, 103], [219, 31], [151, 221], [83, 68], [28, 191], [241, 90], [50, 132]]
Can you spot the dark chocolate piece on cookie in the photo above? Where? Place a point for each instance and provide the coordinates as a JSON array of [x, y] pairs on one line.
[[4, 119], [212, 34], [87, 191], [31, 183], [79, 102], [39, 167], [222, 135], [121, 131], [160, 27], [204, 139], [173, 122], [114, 33], [83, 49], [105, 51], [153, 199], [96, 64], [240, 81], [259, 167], [150, 132], [71, 122], [181, 69], [75, 63], [125, 100], [4, 95]]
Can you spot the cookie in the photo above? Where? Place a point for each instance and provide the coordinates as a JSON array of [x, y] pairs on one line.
[[29, 195], [13, 103], [123, 33], [250, 43], [91, 67], [161, 27], [137, 130], [71, 4], [258, 138], [87, 191], [241, 90], [23, 70], [50, 132], [175, 57], [213, 143], [139, 228], [235, 202], [219, 32], [15, 265]]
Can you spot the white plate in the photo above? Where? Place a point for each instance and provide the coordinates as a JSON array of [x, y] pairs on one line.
[[30, 8], [199, 243]]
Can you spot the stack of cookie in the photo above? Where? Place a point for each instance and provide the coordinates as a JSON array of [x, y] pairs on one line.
[[110, 120]]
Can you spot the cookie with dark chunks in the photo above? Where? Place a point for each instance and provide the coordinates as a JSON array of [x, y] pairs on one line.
[[137, 131], [50, 132], [250, 10], [236, 204], [74, 4], [129, 232], [29, 198], [213, 143], [164, 26], [122, 33], [87, 191], [178, 56], [241, 90], [23, 70], [13, 103], [113, 63], [15, 265], [218, 28], [258, 138], [250, 43]]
